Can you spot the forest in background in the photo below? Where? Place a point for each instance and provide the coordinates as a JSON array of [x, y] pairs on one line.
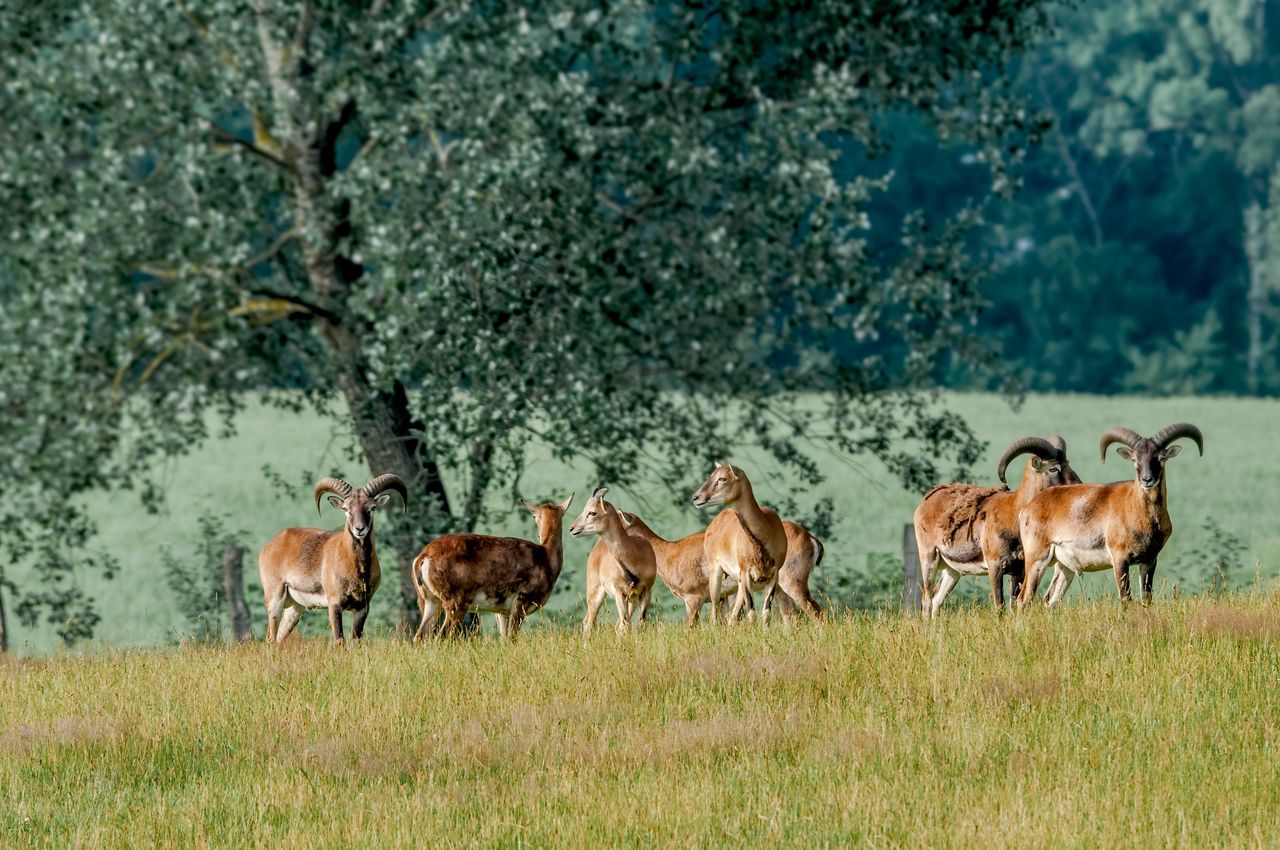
[[1142, 252]]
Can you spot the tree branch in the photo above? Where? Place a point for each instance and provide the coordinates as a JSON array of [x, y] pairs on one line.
[[1064, 152], [271, 250], [302, 37], [227, 136], [301, 304]]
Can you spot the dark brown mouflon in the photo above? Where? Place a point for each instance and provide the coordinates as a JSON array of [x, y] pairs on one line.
[[506, 576]]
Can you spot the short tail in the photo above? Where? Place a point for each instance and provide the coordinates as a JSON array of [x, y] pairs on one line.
[[420, 580], [817, 544]]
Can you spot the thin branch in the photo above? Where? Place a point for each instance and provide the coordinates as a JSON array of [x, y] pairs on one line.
[[1111, 184], [365, 149], [271, 250], [227, 136], [302, 38], [302, 304], [442, 151], [1064, 152]]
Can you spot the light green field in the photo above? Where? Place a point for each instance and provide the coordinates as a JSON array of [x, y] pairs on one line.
[[1092, 726], [1231, 485]]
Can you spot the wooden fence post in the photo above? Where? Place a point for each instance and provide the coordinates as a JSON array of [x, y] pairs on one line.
[[910, 571], [233, 592]]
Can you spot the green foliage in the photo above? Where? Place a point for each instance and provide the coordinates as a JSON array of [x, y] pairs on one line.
[[1260, 147], [194, 576], [1219, 554], [1191, 363]]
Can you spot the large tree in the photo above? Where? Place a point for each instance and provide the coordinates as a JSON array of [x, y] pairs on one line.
[[615, 227]]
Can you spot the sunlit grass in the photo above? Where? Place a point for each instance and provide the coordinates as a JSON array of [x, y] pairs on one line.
[[1096, 725]]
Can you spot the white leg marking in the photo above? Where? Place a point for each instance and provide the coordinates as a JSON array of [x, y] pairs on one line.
[[945, 585], [1058, 587]]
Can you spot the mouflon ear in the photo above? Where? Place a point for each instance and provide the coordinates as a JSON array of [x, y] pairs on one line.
[[1125, 452], [336, 502], [564, 506]]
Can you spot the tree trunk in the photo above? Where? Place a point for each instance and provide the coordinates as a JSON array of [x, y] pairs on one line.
[[1255, 299], [233, 592], [380, 416], [389, 439]]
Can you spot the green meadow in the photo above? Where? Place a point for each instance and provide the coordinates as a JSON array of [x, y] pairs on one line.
[[1231, 486], [1090, 726]]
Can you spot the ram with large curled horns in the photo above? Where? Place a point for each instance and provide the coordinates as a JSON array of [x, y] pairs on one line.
[[967, 529], [1090, 527], [305, 568]]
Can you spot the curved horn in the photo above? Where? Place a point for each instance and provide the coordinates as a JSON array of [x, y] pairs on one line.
[[389, 481], [1061, 446], [336, 486], [1118, 435], [1037, 446], [1167, 435]]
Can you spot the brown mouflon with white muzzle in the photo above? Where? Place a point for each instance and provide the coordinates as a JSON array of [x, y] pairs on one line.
[[305, 568], [1084, 528]]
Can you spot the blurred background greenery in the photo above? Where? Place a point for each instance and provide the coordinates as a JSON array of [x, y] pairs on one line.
[[523, 248]]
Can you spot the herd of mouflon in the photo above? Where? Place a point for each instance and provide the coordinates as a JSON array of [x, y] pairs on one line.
[[961, 529]]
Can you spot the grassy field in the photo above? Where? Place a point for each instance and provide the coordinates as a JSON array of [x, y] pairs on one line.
[[1093, 726], [1231, 486]]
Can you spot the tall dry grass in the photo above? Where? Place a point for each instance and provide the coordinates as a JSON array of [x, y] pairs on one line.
[[1090, 726]]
